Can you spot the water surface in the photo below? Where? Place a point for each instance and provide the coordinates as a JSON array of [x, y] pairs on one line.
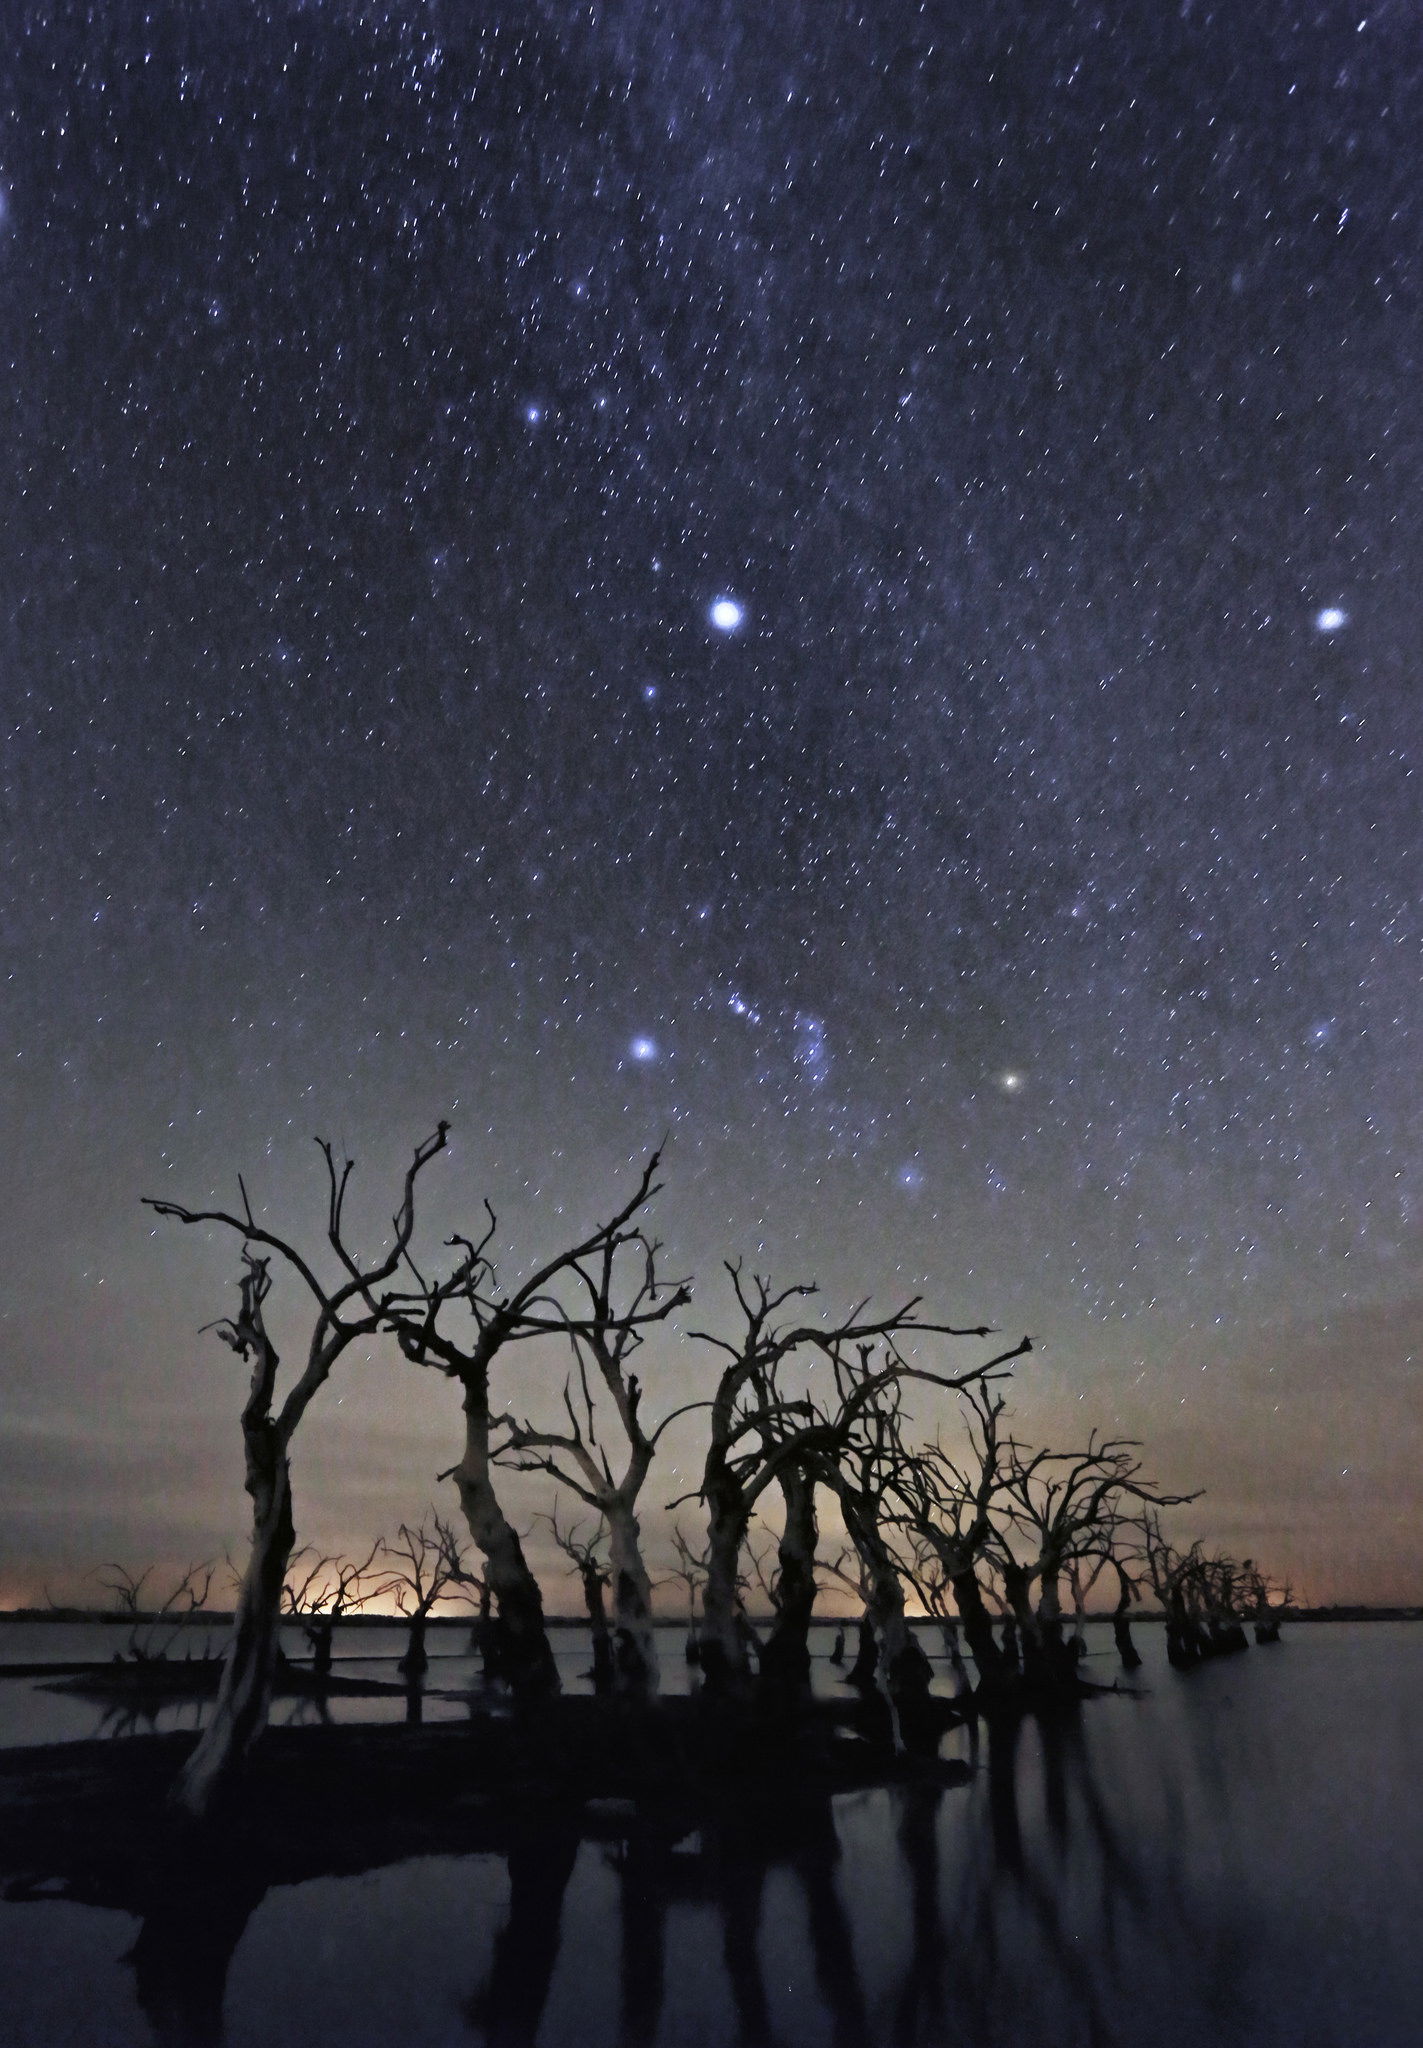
[[1232, 1860]]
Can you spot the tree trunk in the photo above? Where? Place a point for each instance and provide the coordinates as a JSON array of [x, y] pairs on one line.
[[722, 1640], [1121, 1629], [1031, 1637], [603, 1667], [1126, 1648], [319, 1633], [525, 1658], [1079, 1621], [1054, 1658], [885, 1598], [415, 1663], [978, 1630], [483, 1641], [636, 1661], [949, 1632], [244, 1695], [785, 1661], [1012, 1651], [903, 1671], [862, 1671]]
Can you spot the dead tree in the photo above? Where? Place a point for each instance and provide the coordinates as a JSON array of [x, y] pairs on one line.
[[1057, 1506], [1206, 1599], [419, 1569], [927, 1577], [343, 1313], [460, 1325], [1127, 1592], [156, 1629], [860, 1473], [848, 1567], [790, 1584], [1171, 1572], [785, 1656], [1266, 1610], [790, 1576], [322, 1592], [885, 1490], [604, 1334], [759, 1430], [585, 1557], [945, 1504], [1116, 1547], [690, 1571]]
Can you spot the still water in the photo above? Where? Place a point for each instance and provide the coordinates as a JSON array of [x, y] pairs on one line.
[[1234, 1859]]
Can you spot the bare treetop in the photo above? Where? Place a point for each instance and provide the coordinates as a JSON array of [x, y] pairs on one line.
[[332, 1329], [532, 1309]]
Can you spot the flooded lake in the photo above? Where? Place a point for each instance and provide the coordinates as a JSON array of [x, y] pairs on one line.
[[1234, 1859]]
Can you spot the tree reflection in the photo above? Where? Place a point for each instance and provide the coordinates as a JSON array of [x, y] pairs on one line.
[[185, 1945], [506, 2013], [1029, 1908]]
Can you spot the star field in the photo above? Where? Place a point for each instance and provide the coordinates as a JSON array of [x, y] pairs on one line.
[[841, 583]]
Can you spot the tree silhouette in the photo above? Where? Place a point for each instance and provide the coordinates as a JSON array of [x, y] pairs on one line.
[[758, 1428], [325, 1589], [341, 1314], [460, 1325]]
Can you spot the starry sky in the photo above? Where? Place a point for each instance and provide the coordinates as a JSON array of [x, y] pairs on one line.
[[838, 582]]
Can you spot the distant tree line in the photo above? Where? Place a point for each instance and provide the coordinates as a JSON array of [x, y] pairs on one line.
[[1002, 1544]]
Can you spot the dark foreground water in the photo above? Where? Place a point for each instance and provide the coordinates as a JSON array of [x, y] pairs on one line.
[[1234, 1858]]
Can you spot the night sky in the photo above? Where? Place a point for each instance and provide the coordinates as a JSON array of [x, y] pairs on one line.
[[839, 581]]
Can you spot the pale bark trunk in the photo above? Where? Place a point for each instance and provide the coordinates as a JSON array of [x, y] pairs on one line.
[[245, 1691], [525, 1658], [636, 1661]]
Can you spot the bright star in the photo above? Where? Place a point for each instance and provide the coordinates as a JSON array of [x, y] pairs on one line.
[[1330, 619], [726, 614], [533, 414], [1010, 1082], [643, 1049]]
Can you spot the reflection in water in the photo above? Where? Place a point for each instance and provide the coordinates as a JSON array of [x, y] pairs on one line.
[[1010, 1933], [1136, 1871], [185, 1946], [507, 2011]]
